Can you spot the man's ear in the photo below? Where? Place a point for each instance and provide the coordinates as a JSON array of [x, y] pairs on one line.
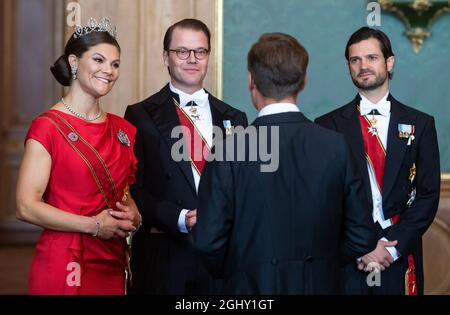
[[250, 82], [253, 90], [390, 63], [166, 58], [304, 83]]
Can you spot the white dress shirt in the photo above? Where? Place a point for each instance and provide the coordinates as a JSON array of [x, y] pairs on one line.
[[203, 124], [382, 125]]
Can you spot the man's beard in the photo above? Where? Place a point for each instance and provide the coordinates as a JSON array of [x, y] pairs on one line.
[[371, 85]]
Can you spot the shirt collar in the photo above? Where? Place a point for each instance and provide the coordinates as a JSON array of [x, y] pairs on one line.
[[278, 108], [383, 106], [200, 97]]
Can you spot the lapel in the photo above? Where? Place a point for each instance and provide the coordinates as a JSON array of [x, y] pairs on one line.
[[351, 128], [396, 146], [162, 111]]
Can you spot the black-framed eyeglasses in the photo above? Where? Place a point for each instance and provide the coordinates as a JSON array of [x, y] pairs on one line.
[[184, 53]]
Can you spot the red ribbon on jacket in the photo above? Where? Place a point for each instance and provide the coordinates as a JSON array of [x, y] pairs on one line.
[[196, 143], [376, 157]]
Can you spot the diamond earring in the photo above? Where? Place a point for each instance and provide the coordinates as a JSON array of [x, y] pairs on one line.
[[74, 73]]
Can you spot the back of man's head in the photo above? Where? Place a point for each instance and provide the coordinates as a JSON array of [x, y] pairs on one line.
[[277, 63]]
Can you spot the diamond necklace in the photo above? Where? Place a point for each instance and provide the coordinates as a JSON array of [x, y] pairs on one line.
[[79, 115]]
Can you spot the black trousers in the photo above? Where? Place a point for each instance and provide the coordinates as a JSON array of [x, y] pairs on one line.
[[166, 265]]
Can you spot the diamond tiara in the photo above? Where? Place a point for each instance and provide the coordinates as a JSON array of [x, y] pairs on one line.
[[93, 26]]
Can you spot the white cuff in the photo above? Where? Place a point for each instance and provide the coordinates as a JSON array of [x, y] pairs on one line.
[[182, 221], [392, 250]]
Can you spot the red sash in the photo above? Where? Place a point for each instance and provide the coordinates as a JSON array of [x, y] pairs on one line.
[[90, 156], [376, 157], [196, 143], [374, 149]]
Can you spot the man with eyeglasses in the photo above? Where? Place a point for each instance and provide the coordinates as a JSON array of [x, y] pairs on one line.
[[166, 189]]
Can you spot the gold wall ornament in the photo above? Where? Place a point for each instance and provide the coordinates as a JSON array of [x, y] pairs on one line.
[[418, 16]]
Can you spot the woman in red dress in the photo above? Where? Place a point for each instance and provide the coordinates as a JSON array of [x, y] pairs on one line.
[[75, 173]]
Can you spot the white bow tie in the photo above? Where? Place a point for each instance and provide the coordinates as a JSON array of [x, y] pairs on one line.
[[200, 98], [383, 107]]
